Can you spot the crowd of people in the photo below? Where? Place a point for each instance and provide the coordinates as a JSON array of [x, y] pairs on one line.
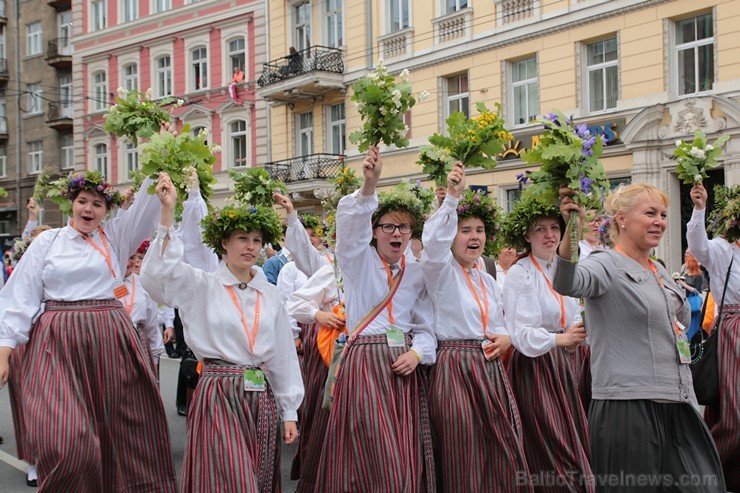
[[395, 370]]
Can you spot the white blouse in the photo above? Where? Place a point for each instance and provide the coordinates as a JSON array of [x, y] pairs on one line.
[[60, 265], [531, 310], [212, 323], [366, 281], [715, 255], [144, 313], [289, 280], [307, 258], [167, 316], [584, 249], [457, 314], [319, 292], [190, 232]]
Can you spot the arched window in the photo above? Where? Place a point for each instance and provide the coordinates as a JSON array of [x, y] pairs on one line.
[[238, 138], [199, 64]]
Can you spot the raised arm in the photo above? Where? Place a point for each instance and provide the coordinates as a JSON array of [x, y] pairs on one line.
[[307, 258], [190, 231]]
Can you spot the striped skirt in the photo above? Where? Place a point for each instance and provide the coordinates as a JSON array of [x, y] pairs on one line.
[[16, 376], [312, 418], [724, 418], [96, 419], [476, 428], [378, 436], [233, 440], [553, 420]]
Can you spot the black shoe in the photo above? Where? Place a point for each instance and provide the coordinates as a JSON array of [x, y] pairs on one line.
[[182, 411], [33, 483]]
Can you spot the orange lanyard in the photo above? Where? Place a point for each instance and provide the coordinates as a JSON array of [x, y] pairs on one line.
[[660, 281], [328, 257], [557, 295], [130, 306], [253, 336], [105, 253], [483, 311], [390, 282]]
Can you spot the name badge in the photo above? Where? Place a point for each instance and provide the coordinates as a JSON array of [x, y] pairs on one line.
[[395, 337], [254, 381], [121, 291], [684, 352]]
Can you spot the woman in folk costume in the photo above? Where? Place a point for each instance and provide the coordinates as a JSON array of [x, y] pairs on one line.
[[84, 355], [643, 420], [721, 257], [236, 325], [475, 422], [378, 433], [546, 331]]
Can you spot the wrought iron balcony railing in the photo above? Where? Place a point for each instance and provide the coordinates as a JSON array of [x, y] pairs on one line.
[[3, 67], [3, 126], [315, 58], [311, 167], [59, 111], [58, 48]]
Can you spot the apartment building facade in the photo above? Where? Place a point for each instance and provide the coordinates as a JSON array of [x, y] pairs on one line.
[[643, 73], [176, 49], [36, 96]]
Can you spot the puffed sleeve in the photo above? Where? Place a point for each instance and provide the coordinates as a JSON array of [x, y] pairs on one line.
[[29, 226], [496, 321], [439, 233], [22, 295], [167, 316], [307, 258], [705, 251], [126, 232], [523, 315], [286, 285], [283, 371], [424, 340], [303, 304], [190, 232], [151, 329], [163, 273], [354, 230]]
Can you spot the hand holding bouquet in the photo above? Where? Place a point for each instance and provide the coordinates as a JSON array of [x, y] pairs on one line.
[[696, 157], [135, 116], [254, 187]]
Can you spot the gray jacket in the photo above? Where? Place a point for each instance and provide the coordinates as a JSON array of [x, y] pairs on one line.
[[629, 320]]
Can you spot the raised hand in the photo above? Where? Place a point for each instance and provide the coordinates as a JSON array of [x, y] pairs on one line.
[[698, 196], [284, 202], [371, 169], [456, 180], [33, 209]]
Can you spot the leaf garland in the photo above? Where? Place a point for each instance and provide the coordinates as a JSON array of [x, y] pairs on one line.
[[695, 158]]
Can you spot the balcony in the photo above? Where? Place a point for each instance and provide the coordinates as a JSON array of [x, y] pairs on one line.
[[306, 168], [456, 26], [59, 53], [3, 128], [3, 70], [514, 11], [306, 74], [59, 116], [397, 44], [3, 16], [60, 5]]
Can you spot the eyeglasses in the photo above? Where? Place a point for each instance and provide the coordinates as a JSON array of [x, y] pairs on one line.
[[389, 228]]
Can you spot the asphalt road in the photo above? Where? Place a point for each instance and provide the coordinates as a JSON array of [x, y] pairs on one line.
[[13, 471]]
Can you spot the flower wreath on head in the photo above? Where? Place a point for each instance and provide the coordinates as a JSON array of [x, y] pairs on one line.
[[724, 220], [312, 222], [19, 248], [401, 199], [517, 222], [247, 218], [64, 190], [475, 204]]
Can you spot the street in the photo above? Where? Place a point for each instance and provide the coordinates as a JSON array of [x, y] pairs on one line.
[[13, 471]]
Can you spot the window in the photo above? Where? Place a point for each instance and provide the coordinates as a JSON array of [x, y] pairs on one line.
[[512, 197], [67, 151], [164, 76], [237, 58], [132, 161], [162, 5], [302, 26], [334, 27], [200, 68], [455, 5], [602, 75], [35, 102], [2, 42], [65, 95], [100, 91], [100, 158], [399, 14], [35, 157], [525, 89], [33, 39], [337, 128], [305, 134], [64, 30], [98, 15], [695, 52], [197, 130], [131, 77], [238, 134], [3, 118], [129, 10], [3, 162], [457, 96]]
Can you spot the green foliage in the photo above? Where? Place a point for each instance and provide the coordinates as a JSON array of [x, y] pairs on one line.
[[696, 157], [401, 198], [437, 162], [221, 223], [135, 117], [724, 220], [63, 190], [3, 193], [255, 187], [524, 214], [475, 204]]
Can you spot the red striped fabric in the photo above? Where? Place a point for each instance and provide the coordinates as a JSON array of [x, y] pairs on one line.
[[724, 418], [378, 437], [232, 436], [17, 406], [96, 419], [476, 428], [308, 337], [312, 418], [553, 419], [584, 383]]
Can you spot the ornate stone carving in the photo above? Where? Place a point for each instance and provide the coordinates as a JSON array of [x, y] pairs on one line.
[[690, 119]]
